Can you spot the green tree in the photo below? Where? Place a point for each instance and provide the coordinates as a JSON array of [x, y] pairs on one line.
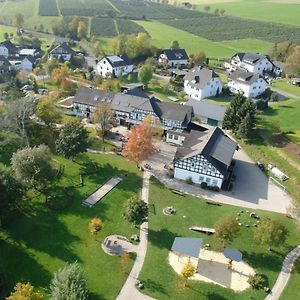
[[33, 166], [103, 117], [72, 140], [226, 229], [145, 74], [50, 65], [293, 62], [206, 8], [24, 291], [82, 30], [47, 111], [270, 232], [175, 45], [11, 191], [6, 36], [18, 20], [35, 86], [136, 211], [245, 127], [198, 57], [69, 283]]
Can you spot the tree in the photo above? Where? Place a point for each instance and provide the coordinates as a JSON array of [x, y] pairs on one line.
[[226, 229], [59, 74], [293, 62], [95, 226], [222, 11], [198, 57], [188, 271], [33, 166], [6, 36], [68, 283], [270, 232], [18, 20], [72, 140], [155, 125], [11, 191], [103, 117], [245, 127], [24, 291], [125, 259], [139, 145], [50, 65], [216, 11], [175, 45], [206, 8], [47, 111], [82, 30], [145, 74], [136, 211]]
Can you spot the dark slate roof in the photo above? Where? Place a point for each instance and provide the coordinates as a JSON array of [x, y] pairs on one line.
[[170, 111], [4, 63], [207, 110], [251, 58], [10, 46], [66, 49], [279, 64], [233, 254], [199, 76], [31, 59], [118, 60], [175, 54], [244, 76], [187, 131], [187, 246], [213, 144]]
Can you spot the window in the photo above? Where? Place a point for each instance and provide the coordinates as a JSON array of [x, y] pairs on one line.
[[208, 180], [176, 137], [213, 170], [204, 167], [171, 136], [214, 182], [201, 179]]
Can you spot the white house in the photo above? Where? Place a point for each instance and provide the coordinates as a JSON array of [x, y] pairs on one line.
[[251, 62], [22, 63], [173, 58], [200, 83], [206, 157], [114, 66], [61, 51], [7, 48], [250, 84]]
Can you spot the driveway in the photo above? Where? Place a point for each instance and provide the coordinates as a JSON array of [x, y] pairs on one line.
[[252, 188]]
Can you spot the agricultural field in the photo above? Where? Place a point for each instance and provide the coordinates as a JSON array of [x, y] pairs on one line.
[[193, 43], [104, 27], [218, 28], [277, 11], [250, 45], [128, 26], [48, 8]]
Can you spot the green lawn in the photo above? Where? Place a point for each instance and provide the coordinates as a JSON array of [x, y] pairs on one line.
[[278, 11], [156, 88], [285, 86], [162, 36], [37, 242], [220, 100], [7, 29], [160, 279]]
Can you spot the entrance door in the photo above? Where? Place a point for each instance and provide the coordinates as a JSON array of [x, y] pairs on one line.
[[212, 122]]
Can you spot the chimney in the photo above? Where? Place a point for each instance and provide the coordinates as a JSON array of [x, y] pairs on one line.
[[197, 79]]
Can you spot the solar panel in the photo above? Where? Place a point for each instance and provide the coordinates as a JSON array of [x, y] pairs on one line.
[[115, 59]]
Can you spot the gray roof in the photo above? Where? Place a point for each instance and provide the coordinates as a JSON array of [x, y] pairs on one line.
[[251, 58], [213, 144], [10, 46], [187, 246], [118, 60], [279, 64], [4, 63], [175, 54], [233, 254], [172, 111], [207, 110], [200, 76], [244, 76], [64, 46]]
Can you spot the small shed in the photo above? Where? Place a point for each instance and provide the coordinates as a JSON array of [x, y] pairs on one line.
[[187, 246]]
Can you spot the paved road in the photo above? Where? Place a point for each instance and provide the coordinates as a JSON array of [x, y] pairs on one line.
[[284, 275], [129, 291]]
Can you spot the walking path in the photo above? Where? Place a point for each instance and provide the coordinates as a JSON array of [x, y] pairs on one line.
[[102, 191], [129, 290], [284, 274]]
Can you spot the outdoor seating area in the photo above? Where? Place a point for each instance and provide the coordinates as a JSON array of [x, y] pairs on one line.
[[117, 245], [225, 269], [169, 211], [205, 230]]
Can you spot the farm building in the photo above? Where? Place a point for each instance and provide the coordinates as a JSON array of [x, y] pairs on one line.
[[62, 51]]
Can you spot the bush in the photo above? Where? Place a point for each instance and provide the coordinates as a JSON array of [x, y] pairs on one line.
[[189, 180], [214, 188], [204, 185], [256, 281]]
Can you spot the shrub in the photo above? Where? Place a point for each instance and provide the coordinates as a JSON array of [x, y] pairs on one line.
[[204, 185], [256, 281], [189, 180], [214, 188]]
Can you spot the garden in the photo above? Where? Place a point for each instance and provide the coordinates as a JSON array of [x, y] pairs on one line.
[[162, 282]]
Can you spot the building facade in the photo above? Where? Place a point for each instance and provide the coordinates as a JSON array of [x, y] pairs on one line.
[[173, 58]]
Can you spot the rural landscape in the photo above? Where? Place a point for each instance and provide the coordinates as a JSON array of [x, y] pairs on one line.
[[149, 149]]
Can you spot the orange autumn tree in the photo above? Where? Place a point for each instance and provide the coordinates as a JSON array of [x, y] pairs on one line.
[[139, 145]]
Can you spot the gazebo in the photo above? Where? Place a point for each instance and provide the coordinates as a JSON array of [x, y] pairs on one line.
[[187, 246]]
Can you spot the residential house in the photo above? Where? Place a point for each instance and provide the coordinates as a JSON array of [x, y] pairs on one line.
[[251, 62], [206, 157], [250, 84], [130, 109], [25, 51], [295, 81], [7, 48], [200, 83], [61, 52], [173, 58], [5, 65], [279, 68], [114, 66], [208, 113], [25, 63]]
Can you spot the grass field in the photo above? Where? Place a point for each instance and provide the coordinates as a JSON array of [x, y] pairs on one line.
[[160, 279], [250, 45], [286, 12], [39, 241], [193, 43], [7, 29], [285, 86]]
